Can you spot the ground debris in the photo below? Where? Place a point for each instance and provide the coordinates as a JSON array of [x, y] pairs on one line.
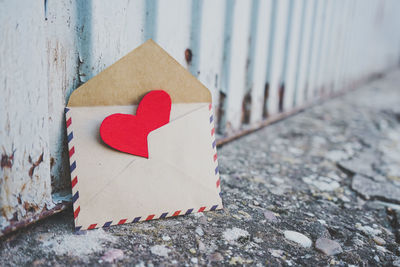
[[311, 173]]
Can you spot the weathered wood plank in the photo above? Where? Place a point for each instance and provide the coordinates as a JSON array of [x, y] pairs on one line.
[[258, 97], [237, 63], [210, 51], [25, 187]]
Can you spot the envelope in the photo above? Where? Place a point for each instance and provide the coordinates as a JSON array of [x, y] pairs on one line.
[[180, 175]]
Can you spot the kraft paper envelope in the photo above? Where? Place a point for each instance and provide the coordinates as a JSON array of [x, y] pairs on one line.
[[180, 175]]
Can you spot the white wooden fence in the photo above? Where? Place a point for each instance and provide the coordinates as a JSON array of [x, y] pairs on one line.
[[262, 60]]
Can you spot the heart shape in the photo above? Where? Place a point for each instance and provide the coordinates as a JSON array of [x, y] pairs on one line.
[[128, 133]]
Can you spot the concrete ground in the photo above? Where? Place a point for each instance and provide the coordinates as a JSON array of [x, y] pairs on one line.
[[319, 188]]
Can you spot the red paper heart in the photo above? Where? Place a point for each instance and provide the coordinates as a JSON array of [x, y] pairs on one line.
[[128, 133]]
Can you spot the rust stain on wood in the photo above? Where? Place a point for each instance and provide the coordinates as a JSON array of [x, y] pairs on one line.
[[246, 108], [32, 219], [7, 160], [188, 56], [35, 164], [281, 96]]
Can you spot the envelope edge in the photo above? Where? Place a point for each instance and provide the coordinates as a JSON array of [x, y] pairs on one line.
[[75, 190]]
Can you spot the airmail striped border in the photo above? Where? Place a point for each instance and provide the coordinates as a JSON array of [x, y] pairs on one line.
[[214, 146], [72, 167], [145, 218], [75, 191]]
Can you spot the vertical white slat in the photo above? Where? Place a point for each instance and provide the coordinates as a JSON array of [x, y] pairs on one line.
[[342, 54], [332, 40], [62, 58], [395, 20], [115, 28], [372, 45], [293, 53], [340, 44], [316, 50], [372, 49], [320, 83], [390, 40], [173, 28], [301, 81], [211, 47], [251, 56], [277, 60], [349, 55], [237, 64], [24, 133], [260, 61], [355, 59]]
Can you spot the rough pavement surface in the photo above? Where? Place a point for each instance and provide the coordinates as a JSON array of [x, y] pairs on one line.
[[294, 176]]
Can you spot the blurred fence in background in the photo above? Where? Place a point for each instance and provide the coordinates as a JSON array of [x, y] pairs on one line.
[[262, 60]]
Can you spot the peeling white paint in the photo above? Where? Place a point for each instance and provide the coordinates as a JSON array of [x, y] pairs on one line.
[[24, 134]]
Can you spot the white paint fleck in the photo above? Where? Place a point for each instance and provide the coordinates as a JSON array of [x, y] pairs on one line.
[[336, 155], [166, 238], [368, 229], [232, 235], [112, 255], [77, 245], [160, 250], [199, 231]]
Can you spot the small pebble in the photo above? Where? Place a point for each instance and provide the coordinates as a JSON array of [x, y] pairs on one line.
[[216, 257], [368, 229], [201, 246], [376, 258], [258, 240], [160, 250], [277, 253], [244, 214], [379, 241], [192, 250], [299, 238], [199, 231], [328, 247], [270, 216], [166, 238], [396, 263], [194, 260], [234, 234]]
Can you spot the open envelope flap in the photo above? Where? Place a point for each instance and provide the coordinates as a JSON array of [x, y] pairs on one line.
[[180, 177], [148, 67]]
